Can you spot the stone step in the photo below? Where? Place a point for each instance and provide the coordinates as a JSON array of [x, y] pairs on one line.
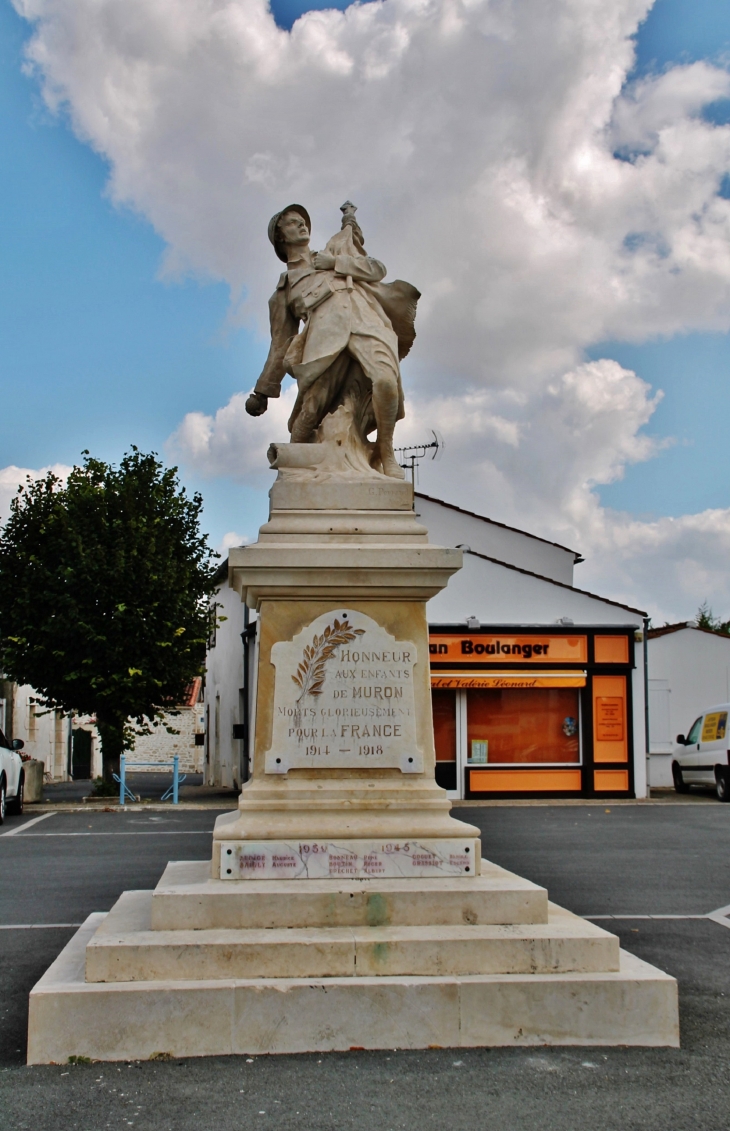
[[125, 949], [635, 1005], [187, 899]]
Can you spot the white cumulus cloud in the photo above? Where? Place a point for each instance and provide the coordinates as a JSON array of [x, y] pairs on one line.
[[12, 477], [231, 443], [229, 540], [500, 162]]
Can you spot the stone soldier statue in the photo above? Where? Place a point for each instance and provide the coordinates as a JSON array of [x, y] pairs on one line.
[[356, 330]]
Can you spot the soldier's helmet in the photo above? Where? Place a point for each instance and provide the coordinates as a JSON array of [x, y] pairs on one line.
[[279, 245]]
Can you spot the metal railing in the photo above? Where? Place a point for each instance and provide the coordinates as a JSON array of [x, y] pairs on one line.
[[125, 793]]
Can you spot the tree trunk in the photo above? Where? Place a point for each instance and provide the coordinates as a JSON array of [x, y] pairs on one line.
[[111, 733]]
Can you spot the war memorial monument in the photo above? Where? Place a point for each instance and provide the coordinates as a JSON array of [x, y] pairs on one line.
[[344, 906]]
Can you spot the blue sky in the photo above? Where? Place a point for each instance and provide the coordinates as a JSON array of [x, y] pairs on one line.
[[693, 370], [97, 352]]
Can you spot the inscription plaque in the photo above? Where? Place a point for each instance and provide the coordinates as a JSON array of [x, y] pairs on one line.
[[343, 698], [348, 859], [609, 718]]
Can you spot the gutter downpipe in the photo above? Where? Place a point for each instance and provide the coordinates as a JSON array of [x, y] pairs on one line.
[[244, 767], [647, 739]]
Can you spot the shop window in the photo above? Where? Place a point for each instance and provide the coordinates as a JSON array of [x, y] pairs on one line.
[[526, 726], [444, 733]]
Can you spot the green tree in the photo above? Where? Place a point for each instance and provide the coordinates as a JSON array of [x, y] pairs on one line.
[[105, 587], [706, 619]]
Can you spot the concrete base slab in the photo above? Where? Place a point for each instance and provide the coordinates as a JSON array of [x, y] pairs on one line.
[[187, 899], [125, 949], [636, 1005]]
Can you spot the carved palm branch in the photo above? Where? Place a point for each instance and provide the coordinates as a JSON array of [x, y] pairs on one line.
[[310, 673]]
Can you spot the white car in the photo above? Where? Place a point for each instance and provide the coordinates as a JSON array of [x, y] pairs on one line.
[[12, 777], [702, 757]]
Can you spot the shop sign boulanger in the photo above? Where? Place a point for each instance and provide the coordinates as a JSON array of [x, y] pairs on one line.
[[481, 648], [465, 680]]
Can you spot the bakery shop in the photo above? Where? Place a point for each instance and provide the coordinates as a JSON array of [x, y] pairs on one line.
[[537, 685], [532, 713]]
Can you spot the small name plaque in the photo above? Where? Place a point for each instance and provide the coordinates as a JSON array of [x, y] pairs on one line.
[[348, 859], [343, 698]]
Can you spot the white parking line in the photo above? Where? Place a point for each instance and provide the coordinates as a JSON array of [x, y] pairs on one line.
[[645, 916], [35, 926], [155, 832], [22, 828], [719, 916]]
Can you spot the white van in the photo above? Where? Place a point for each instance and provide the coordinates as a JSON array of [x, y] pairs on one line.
[[703, 756]]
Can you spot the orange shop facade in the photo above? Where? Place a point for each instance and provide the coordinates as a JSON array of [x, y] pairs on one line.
[[534, 711]]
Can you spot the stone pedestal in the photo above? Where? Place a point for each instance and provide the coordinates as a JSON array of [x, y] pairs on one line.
[[354, 759], [344, 906], [203, 967]]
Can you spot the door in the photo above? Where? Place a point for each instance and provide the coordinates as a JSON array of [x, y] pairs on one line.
[[9, 765], [688, 756], [444, 734], [81, 755], [712, 745], [217, 778], [449, 730], [662, 739]]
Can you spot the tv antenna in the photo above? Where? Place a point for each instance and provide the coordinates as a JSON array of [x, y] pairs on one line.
[[414, 453]]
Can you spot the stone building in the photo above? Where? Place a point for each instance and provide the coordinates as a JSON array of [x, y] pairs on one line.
[[47, 735], [69, 746], [188, 743]]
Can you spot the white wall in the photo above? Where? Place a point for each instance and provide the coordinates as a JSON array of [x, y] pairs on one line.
[[448, 526], [689, 670], [223, 681], [45, 734], [497, 595], [641, 760]]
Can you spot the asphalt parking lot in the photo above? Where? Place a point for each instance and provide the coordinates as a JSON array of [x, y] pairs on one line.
[[627, 861]]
